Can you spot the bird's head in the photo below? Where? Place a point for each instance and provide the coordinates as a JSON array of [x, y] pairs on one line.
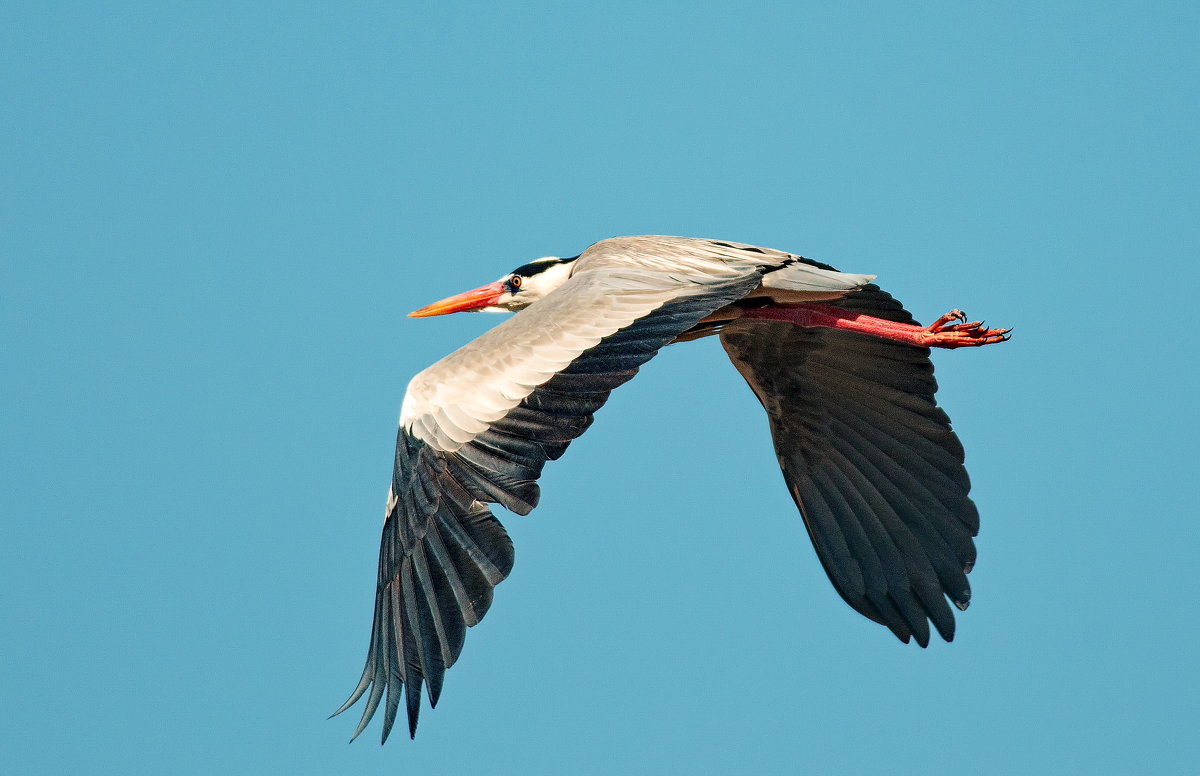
[[515, 291]]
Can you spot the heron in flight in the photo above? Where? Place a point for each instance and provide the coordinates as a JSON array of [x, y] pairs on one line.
[[841, 368]]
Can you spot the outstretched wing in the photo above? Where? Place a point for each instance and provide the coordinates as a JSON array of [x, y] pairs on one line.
[[477, 427], [870, 460]]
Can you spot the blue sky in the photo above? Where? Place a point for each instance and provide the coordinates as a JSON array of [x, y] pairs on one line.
[[213, 218]]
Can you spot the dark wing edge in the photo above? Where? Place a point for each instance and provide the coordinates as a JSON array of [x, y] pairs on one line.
[[443, 551], [870, 460]]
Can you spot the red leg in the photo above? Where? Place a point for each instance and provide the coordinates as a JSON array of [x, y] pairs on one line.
[[940, 334]]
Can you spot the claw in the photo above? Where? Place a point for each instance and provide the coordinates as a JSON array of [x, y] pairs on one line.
[[944, 322]]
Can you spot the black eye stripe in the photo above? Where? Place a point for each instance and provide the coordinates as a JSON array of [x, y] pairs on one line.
[[529, 270], [536, 267]]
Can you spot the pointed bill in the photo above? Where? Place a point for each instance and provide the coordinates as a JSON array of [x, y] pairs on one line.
[[476, 298]]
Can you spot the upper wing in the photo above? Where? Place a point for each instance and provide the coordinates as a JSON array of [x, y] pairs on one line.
[[870, 460], [614, 283], [477, 427]]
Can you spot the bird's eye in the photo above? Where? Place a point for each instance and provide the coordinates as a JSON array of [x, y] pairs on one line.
[[514, 282]]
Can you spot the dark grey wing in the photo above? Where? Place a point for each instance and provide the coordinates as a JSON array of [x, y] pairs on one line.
[[870, 460], [442, 550]]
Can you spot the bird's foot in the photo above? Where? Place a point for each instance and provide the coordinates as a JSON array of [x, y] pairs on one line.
[[953, 331]]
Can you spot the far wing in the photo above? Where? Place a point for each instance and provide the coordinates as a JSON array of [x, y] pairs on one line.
[[870, 460], [477, 427]]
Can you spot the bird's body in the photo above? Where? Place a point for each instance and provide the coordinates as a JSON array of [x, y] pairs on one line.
[[840, 367]]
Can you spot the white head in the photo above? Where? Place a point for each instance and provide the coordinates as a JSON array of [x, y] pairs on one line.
[[515, 291]]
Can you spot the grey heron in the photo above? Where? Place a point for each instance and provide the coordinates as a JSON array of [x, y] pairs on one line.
[[841, 368]]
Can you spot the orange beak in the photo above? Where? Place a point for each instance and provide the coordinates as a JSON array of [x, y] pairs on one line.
[[470, 300]]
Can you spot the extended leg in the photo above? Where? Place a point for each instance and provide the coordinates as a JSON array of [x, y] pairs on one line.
[[942, 333]]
